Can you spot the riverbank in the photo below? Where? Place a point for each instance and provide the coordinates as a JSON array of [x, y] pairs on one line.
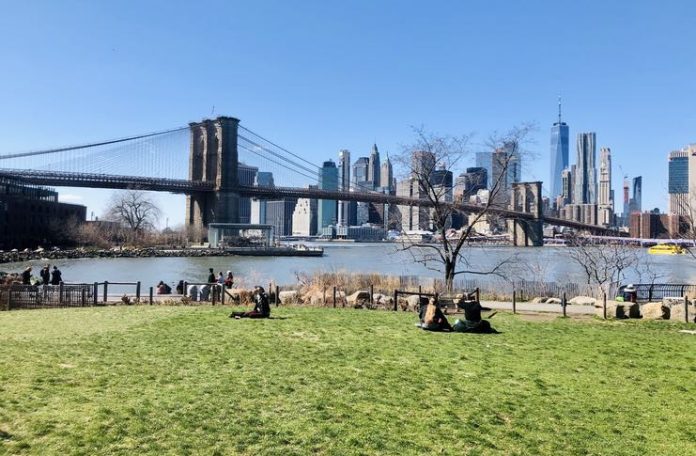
[[16, 257]]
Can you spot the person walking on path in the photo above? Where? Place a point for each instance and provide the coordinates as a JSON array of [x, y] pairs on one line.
[[56, 276]]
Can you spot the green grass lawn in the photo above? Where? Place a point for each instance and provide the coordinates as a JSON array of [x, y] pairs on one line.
[[185, 380]]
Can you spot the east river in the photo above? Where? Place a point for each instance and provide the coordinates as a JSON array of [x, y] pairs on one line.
[[544, 263]]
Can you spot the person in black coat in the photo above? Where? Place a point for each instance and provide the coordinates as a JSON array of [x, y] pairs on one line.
[[262, 307], [56, 276], [45, 275]]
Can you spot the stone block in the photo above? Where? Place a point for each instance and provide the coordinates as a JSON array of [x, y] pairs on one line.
[[582, 301], [655, 311], [288, 297], [676, 312]]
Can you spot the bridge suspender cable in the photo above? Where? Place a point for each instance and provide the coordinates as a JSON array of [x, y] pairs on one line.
[[87, 146]]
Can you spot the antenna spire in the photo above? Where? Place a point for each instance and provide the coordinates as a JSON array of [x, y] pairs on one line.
[[559, 110]]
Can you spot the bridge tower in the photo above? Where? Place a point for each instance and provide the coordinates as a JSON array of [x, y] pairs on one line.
[[213, 158], [526, 197]]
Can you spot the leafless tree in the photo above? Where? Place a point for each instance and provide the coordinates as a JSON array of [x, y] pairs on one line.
[[602, 264], [134, 209], [422, 164]]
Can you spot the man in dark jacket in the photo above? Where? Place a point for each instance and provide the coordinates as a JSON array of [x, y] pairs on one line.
[[262, 308], [45, 275], [56, 276]]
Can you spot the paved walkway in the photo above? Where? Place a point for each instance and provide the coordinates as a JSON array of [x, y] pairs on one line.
[[531, 307]]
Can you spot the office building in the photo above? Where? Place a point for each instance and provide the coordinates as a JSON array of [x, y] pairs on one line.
[[328, 180], [386, 178], [485, 160], [279, 214], [258, 206], [304, 217], [567, 186], [605, 202], [559, 154], [343, 185], [585, 176], [422, 164], [636, 202], [360, 174], [678, 183], [373, 169], [247, 176]]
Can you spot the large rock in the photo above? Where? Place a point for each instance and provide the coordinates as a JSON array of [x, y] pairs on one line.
[[384, 302], [360, 298], [616, 309], [677, 312], [671, 301], [288, 297], [553, 301], [539, 300], [655, 311], [582, 301]]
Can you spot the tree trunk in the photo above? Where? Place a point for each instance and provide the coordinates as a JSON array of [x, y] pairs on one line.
[[449, 275]]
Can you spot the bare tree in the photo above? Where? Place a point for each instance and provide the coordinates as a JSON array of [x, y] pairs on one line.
[[602, 264], [135, 210], [425, 164]]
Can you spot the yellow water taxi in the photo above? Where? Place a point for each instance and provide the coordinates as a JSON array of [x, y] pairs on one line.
[[666, 249]]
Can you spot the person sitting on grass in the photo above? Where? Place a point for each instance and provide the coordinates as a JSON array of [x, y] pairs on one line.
[[433, 318], [473, 322], [262, 308]]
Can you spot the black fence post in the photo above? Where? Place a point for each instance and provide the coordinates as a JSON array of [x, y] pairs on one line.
[[514, 301], [478, 294], [277, 297], [106, 289], [564, 303], [604, 304], [137, 290], [420, 291], [60, 293], [222, 295], [650, 293], [334, 296], [83, 296], [372, 294], [686, 309], [152, 291], [95, 293]]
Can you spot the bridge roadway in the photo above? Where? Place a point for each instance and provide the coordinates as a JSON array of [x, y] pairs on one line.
[[183, 186]]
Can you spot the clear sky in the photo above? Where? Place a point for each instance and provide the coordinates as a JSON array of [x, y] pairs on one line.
[[319, 76]]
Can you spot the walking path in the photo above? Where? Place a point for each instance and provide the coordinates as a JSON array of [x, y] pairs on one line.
[[531, 307]]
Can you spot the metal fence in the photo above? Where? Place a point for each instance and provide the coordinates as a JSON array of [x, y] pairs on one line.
[[647, 292], [17, 296]]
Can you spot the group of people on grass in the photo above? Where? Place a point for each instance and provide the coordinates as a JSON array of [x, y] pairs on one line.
[[433, 319]]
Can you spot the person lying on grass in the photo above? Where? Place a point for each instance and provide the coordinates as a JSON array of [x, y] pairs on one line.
[[433, 318], [262, 308]]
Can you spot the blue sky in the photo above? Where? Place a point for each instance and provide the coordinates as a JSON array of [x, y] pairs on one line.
[[320, 76]]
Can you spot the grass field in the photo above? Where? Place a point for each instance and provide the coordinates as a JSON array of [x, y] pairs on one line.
[[185, 380]]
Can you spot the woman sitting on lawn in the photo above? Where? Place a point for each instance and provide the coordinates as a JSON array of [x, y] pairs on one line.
[[434, 319], [262, 309]]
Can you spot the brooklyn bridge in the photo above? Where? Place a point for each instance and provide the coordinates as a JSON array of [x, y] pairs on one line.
[[203, 160]]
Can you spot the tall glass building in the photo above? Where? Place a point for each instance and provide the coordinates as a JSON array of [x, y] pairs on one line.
[[328, 180], [585, 177], [559, 154], [678, 184]]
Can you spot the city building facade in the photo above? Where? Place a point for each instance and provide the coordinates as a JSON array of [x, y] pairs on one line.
[[585, 176], [560, 135], [678, 182], [328, 180]]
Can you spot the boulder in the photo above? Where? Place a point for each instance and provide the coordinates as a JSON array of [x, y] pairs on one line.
[[413, 304], [384, 302], [655, 311], [359, 298], [288, 297], [676, 312], [620, 310], [553, 301], [671, 301], [582, 301]]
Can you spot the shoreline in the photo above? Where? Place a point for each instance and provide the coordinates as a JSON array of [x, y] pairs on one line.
[[16, 257]]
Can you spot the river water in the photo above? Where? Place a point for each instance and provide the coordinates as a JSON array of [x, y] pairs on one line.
[[544, 263]]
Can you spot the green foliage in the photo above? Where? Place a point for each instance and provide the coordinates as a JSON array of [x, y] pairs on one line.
[[182, 380]]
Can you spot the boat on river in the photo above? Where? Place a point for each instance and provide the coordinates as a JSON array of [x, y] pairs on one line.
[[666, 249]]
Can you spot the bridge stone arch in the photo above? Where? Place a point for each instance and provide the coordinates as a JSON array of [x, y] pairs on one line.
[[213, 158], [526, 197]]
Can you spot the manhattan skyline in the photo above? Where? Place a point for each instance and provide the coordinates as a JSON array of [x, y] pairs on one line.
[[349, 76]]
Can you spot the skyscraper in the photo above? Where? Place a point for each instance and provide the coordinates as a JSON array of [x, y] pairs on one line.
[[559, 153], [636, 203], [386, 178], [485, 160], [585, 191], [360, 173], [328, 180], [373, 170], [678, 185], [605, 202], [343, 184]]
